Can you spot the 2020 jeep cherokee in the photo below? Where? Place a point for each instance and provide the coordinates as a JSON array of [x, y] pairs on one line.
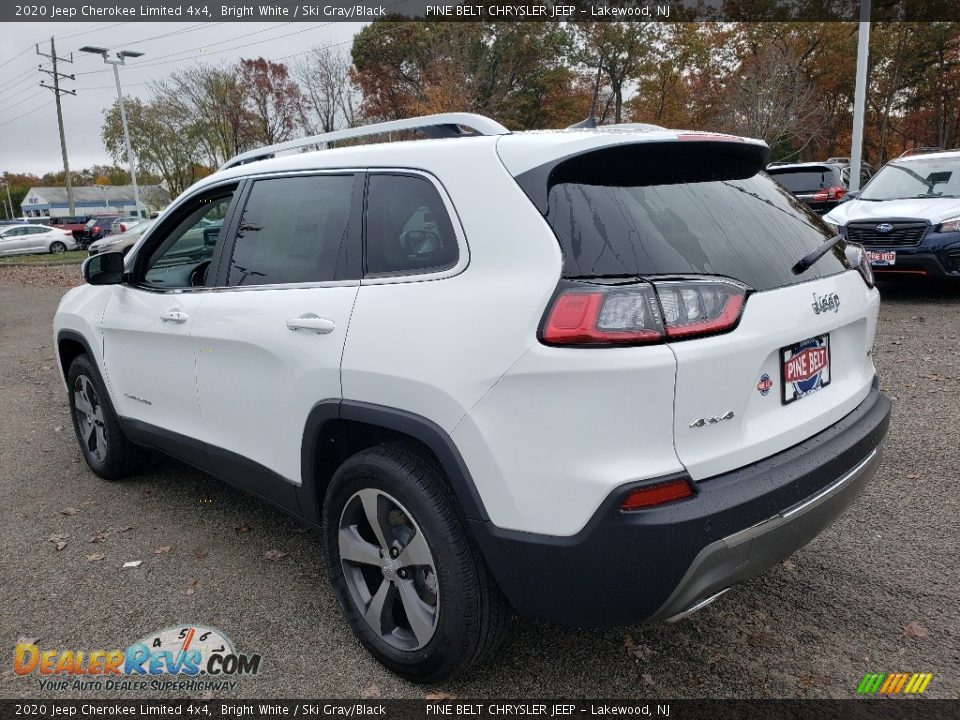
[[591, 376]]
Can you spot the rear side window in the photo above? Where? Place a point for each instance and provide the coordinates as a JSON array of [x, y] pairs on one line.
[[738, 224], [408, 228], [806, 180], [292, 230]]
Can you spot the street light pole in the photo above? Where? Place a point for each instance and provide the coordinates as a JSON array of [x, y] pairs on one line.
[[122, 55], [860, 95]]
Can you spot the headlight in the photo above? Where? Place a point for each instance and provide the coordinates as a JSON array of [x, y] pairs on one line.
[[949, 225], [857, 257]]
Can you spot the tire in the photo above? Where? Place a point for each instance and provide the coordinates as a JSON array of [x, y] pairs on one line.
[[106, 449], [453, 614], [58, 248]]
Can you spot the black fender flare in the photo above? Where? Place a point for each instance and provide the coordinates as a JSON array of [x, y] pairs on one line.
[[420, 428]]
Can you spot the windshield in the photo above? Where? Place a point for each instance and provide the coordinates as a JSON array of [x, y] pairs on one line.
[[933, 177]]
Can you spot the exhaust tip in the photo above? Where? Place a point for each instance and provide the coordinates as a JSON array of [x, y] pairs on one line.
[[699, 605]]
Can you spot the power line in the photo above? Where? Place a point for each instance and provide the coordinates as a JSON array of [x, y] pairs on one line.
[[24, 100], [28, 112], [19, 54]]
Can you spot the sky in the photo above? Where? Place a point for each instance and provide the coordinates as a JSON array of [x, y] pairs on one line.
[[29, 141]]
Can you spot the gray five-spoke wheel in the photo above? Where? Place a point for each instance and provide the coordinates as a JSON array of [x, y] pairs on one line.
[[89, 414], [389, 569]]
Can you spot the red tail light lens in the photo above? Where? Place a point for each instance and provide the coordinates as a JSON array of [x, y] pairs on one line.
[[615, 315], [96, 229], [831, 193], [658, 494], [643, 313]]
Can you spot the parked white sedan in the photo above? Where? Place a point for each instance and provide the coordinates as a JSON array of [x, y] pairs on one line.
[[31, 239]]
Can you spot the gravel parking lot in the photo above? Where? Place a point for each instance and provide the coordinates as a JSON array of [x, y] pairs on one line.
[[877, 592]]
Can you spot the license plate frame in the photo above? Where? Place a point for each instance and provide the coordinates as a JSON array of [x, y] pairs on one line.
[[802, 377], [882, 258]]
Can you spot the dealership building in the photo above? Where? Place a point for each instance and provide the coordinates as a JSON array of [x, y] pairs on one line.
[[51, 202]]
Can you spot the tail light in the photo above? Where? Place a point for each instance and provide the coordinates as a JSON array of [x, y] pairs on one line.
[[123, 228], [96, 229], [831, 193], [657, 494], [643, 313]]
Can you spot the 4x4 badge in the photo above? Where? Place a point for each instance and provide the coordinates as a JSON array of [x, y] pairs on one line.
[[823, 303]]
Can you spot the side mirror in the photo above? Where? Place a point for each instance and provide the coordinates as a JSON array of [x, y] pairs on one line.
[[104, 269], [853, 195]]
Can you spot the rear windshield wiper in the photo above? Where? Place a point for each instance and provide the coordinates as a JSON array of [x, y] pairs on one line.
[[811, 257]]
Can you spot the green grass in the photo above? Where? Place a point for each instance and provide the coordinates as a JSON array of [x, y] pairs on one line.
[[68, 258]]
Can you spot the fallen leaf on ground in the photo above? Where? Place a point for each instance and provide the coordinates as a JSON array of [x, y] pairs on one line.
[[915, 630], [242, 529], [69, 511], [57, 537], [99, 536], [439, 696], [60, 545], [162, 550], [370, 692], [27, 641], [200, 554], [192, 585], [646, 679], [96, 557], [275, 555], [133, 563], [790, 565], [128, 528], [913, 476]]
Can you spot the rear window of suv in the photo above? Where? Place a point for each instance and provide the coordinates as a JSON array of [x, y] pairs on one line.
[[805, 180], [680, 211]]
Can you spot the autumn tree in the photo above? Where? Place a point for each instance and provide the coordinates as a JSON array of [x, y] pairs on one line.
[[331, 101], [505, 70], [271, 99]]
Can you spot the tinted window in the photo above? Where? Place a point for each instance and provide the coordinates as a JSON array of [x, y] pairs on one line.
[[748, 229], [187, 246], [805, 181], [408, 229], [292, 230]]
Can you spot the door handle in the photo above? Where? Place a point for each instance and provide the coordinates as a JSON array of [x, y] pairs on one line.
[[311, 322], [174, 316]]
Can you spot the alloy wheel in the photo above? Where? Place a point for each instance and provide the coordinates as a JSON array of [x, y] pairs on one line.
[[89, 414], [389, 569]]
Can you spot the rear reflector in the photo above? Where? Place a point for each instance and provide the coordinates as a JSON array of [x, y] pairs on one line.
[[587, 313], [665, 492]]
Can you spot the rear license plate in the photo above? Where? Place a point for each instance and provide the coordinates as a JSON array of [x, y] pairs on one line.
[[804, 368], [882, 259]]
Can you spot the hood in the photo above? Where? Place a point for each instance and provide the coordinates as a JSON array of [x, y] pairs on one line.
[[932, 210]]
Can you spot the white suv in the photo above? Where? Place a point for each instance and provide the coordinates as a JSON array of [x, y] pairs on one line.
[[591, 376]]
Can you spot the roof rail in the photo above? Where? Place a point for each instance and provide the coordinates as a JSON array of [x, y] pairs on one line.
[[444, 125]]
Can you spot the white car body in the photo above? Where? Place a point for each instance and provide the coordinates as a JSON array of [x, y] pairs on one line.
[[30, 239], [546, 434]]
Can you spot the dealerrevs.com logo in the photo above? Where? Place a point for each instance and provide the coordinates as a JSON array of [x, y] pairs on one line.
[[186, 658]]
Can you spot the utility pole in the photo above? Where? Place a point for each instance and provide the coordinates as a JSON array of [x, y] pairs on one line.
[[57, 91]]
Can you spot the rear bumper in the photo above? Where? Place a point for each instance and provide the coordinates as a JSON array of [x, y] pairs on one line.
[[654, 564]]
